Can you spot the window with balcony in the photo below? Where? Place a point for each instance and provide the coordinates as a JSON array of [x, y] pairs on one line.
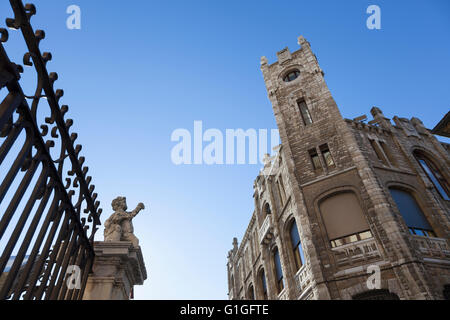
[[267, 211], [278, 270], [434, 175], [297, 249], [412, 213], [344, 219]]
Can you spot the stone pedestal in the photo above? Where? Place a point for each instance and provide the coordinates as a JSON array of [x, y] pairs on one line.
[[117, 268]]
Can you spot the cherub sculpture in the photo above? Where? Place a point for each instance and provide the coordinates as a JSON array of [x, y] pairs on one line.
[[119, 226]]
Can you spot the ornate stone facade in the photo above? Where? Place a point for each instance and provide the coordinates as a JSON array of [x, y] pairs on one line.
[[358, 194]]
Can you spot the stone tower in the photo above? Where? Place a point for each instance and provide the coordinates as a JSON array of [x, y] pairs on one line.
[[343, 199]]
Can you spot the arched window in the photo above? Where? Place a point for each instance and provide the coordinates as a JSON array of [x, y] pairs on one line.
[[267, 210], [412, 213], [296, 246], [291, 76], [278, 270], [433, 174], [344, 219], [304, 111], [263, 283], [251, 293]]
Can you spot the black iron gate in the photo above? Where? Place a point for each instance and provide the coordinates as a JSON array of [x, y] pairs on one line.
[[48, 212]]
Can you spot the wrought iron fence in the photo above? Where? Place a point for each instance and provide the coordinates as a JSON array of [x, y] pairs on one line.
[[48, 208]]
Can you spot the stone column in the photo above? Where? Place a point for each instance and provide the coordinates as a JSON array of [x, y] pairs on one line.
[[118, 267]]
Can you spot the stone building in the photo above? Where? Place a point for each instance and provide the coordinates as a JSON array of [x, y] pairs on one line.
[[343, 202]]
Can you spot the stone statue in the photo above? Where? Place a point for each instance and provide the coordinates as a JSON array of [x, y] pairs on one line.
[[119, 226]]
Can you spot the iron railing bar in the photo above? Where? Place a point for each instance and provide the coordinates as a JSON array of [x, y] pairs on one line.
[[22, 220], [32, 259], [25, 244], [74, 261], [87, 271], [34, 252], [61, 259], [7, 107], [68, 256], [44, 254], [64, 235], [9, 142], [81, 263], [17, 198], [15, 168]]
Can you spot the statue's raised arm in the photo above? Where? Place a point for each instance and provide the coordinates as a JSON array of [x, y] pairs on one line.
[[138, 209]]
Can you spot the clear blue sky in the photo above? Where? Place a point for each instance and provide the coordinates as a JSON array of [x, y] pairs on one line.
[[138, 70]]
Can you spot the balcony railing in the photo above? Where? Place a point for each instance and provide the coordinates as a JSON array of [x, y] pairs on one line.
[[432, 247], [303, 279], [283, 295], [266, 231], [356, 252]]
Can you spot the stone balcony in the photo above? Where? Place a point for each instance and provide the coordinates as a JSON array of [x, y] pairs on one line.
[[266, 231], [283, 295], [303, 280], [434, 248], [356, 252]]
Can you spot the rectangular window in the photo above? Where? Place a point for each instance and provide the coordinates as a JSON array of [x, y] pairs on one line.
[[436, 178], [280, 194], [327, 157], [304, 111], [315, 159], [281, 191], [255, 244], [378, 151], [278, 271], [351, 239], [248, 262], [422, 232], [388, 153]]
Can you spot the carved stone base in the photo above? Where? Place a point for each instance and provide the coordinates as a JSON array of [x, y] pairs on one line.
[[118, 267]]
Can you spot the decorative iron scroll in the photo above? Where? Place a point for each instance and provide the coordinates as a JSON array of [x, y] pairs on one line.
[[48, 208]]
